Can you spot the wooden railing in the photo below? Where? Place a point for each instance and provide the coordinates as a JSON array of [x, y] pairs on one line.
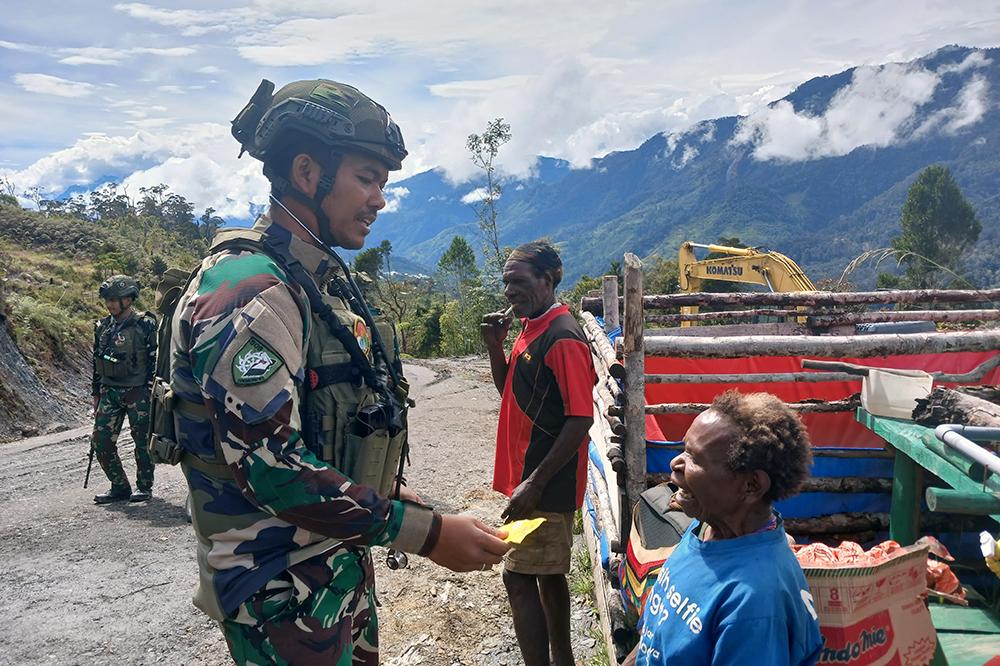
[[819, 325]]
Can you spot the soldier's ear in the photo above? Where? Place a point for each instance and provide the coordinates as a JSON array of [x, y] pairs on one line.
[[305, 174]]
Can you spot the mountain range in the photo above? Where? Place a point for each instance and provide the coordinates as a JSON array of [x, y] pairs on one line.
[[819, 175]]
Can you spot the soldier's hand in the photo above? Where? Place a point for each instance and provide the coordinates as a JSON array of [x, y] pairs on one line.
[[465, 544], [494, 327]]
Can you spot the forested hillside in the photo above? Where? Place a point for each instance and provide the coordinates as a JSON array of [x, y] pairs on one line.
[[821, 177]]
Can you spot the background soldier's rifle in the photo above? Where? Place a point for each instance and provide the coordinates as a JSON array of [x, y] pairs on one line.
[[90, 462]]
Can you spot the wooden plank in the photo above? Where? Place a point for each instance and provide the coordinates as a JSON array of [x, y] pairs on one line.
[[959, 501], [731, 330], [904, 514], [970, 619], [854, 346], [810, 298], [920, 444], [600, 594], [836, 319], [833, 406], [736, 314], [815, 484], [821, 452], [610, 284], [755, 378], [635, 394], [600, 343], [967, 649]]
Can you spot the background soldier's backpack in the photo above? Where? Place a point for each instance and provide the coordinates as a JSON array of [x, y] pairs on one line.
[[162, 436]]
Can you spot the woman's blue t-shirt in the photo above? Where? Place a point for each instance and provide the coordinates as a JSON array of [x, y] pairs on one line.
[[734, 601]]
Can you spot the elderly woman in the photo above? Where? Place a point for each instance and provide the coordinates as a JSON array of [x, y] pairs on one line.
[[732, 592]]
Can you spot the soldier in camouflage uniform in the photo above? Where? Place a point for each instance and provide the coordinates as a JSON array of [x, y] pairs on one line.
[[282, 408], [124, 359]]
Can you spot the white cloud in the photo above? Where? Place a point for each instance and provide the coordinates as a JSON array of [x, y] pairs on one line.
[[182, 18], [477, 88], [45, 84], [972, 105], [975, 60], [394, 198], [25, 48], [199, 163], [475, 196], [876, 109], [575, 79], [688, 154]]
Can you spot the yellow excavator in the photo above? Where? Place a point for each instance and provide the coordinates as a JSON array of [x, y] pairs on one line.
[[754, 265]]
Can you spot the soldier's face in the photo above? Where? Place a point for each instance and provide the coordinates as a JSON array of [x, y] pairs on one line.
[[117, 306], [356, 198]]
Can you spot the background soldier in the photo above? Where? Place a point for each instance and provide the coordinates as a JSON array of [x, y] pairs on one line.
[[288, 408], [124, 360]]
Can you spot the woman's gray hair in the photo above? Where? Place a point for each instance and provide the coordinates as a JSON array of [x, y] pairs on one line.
[[770, 437]]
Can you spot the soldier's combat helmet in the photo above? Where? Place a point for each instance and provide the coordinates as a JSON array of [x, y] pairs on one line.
[[336, 114], [119, 286]]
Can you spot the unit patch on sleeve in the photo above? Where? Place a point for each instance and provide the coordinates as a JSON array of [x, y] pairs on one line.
[[363, 336], [255, 363]]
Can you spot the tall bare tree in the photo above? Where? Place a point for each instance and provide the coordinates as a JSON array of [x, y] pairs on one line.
[[484, 148]]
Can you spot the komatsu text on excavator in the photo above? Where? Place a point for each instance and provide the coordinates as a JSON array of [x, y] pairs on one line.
[[754, 265]]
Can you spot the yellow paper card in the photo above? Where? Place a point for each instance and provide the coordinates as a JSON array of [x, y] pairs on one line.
[[517, 530]]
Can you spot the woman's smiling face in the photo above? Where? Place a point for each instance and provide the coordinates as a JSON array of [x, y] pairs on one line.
[[709, 491]]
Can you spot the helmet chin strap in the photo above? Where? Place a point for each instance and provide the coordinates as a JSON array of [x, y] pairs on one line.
[[322, 242], [314, 203], [351, 284]]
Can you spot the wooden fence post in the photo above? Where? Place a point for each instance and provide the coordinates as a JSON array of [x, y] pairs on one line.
[[635, 387], [610, 303]]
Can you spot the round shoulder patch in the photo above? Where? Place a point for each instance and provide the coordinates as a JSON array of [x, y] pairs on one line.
[[254, 363], [363, 336]]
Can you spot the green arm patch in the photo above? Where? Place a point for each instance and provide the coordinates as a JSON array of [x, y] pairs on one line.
[[255, 363]]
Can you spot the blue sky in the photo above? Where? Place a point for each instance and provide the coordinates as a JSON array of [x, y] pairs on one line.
[[144, 92]]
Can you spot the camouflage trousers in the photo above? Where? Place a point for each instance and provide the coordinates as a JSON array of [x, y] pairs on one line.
[[321, 611], [115, 403]]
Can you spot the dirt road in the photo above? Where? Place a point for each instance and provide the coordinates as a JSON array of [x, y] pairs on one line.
[[87, 585]]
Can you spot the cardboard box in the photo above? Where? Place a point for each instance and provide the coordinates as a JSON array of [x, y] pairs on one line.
[[874, 615]]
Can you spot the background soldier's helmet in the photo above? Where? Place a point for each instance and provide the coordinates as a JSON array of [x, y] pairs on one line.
[[119, 286], [335, 113]]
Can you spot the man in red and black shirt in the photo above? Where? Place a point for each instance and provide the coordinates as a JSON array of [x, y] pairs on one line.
[[546, 412]]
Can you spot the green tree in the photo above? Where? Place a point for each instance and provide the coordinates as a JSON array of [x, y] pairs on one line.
[[581, 288], [458, 269], [8, 192], [107, 204], [397, 296], [938, 226], [210, 223], [484, 148], [660, 276]]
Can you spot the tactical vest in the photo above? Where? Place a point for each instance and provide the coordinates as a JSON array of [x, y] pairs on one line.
[[343, 418], [120, 358]]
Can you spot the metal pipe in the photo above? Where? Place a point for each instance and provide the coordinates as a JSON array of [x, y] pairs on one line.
[[957, 436]]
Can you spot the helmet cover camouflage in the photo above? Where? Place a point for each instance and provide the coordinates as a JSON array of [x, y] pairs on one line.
[[119, 286], [335, 113]]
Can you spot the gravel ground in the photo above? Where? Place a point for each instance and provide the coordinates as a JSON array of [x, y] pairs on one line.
[[87, 585]]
